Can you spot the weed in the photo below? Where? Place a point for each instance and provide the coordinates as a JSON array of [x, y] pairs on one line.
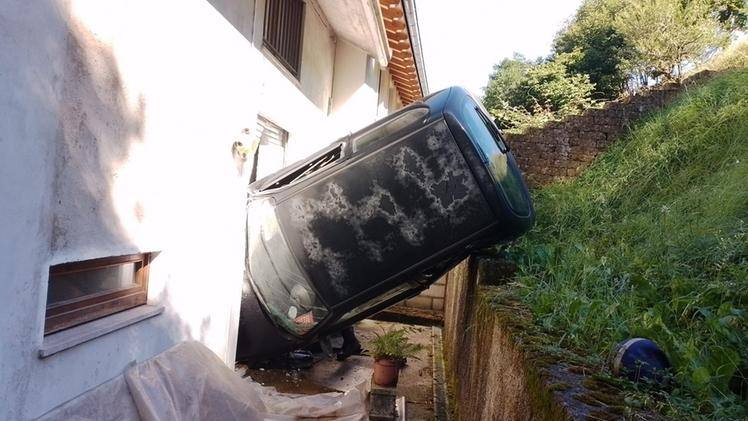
[[652, 241]]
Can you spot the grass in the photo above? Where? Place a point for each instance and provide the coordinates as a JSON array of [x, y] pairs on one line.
[[652, 241], [735, 56]]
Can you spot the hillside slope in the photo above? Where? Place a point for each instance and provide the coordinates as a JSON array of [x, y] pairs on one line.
[[652, 241]]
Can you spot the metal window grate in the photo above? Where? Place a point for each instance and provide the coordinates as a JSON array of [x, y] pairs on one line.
[[284, 30]]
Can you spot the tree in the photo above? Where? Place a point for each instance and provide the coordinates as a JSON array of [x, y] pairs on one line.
[[669, 33], [597, 48], [731, 14], [522, 93], [504, 81], [549, 86]]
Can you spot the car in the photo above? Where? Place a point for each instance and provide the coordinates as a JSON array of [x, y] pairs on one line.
[[375, 218]]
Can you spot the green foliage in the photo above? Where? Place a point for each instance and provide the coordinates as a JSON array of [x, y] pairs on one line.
[[521, 93], [505, 78], [394, 344], [608, 46], [669, 33], [734, 57], [652, 241], [731, 14], [600, 49], [617, 41], [548, 86]]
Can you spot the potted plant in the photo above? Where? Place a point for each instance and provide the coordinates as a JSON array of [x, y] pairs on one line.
[[390, 351]]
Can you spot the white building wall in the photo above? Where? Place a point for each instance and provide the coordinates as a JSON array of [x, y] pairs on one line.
[[354, 101], [116, 126], [299, 106], [317, 58]]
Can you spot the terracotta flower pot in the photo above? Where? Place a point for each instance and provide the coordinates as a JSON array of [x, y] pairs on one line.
[[386, 372]]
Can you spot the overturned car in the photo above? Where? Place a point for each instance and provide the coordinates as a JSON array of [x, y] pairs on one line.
[[375, 218]]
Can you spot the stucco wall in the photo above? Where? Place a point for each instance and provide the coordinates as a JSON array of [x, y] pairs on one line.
[[354, 102], [112, 141], [240, 13], [318, 58], [328, 100], [116, 126], [297, 104]]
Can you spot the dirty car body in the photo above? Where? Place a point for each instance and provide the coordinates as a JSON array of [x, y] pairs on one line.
[[375, 218]]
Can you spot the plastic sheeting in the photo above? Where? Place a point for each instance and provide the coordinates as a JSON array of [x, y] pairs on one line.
[[189, 382]]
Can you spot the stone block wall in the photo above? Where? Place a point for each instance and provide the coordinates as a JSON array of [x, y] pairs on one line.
[[562, 149], [430, 299], [494, 368]]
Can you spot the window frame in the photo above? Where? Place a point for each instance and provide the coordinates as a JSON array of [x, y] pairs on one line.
[[261, 124], [285, 37], [382, 130], [66, 314]]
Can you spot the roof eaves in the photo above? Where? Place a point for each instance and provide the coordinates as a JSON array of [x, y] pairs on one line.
[[411, 17]]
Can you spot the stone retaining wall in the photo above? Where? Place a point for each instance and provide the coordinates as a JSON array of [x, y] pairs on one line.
[[564, 148], [495, 368]]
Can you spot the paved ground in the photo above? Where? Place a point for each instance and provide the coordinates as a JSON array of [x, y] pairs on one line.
[[416, 381]]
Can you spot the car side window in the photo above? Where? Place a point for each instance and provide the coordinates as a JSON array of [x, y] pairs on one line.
[[390, 127]]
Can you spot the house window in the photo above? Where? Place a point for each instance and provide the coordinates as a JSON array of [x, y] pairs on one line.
[[270, 155], [283, 32], [87, 290]]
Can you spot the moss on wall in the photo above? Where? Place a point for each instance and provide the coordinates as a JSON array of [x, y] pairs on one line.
[[500, 366]]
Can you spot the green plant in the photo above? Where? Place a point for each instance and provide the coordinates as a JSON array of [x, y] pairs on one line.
[[600, 49], [652, 241], [521, 93], [733, 57], [666, 34], [394, 344]]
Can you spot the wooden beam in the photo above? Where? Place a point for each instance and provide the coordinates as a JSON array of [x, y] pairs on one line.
[[402, 65], [402, 62], [393, 13], [408, 91], [405, 77], [403, 71], [398, 36], [406, 84]]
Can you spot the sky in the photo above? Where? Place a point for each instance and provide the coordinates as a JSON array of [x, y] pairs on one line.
[[462, 40]]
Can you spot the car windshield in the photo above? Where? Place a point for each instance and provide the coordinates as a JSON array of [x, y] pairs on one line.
[[495, 154], [284, 291]]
